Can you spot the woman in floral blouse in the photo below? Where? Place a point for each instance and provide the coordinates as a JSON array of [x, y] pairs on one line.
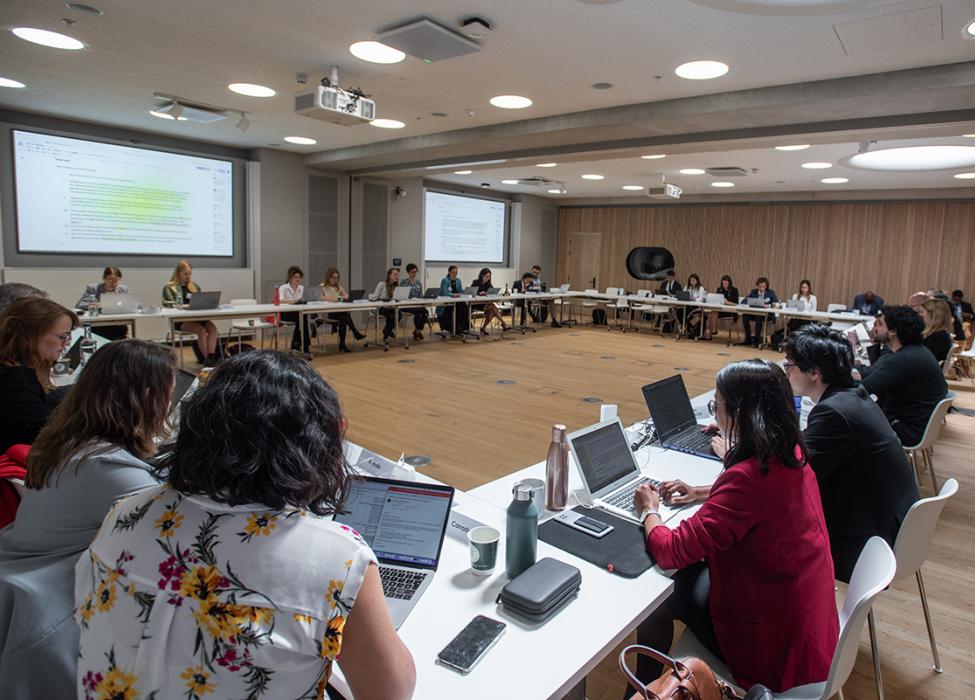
[[230, 581]]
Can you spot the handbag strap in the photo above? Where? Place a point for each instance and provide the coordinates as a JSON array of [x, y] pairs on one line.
[[676, 667]]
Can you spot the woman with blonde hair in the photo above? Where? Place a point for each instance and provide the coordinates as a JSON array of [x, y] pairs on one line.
[[332, 290], [937, 327], [33, 333], [177, 294]]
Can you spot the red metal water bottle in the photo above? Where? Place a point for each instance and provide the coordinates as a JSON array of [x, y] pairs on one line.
[[557, 470]]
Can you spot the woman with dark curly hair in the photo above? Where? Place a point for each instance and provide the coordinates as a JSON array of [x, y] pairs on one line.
[[230, 580]]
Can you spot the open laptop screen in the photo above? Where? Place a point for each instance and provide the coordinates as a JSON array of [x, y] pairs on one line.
[[603, 455], [669, 405], [404, 522]]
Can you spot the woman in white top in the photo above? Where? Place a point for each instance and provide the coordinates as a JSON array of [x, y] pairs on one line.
[[231, 579], [698, 293], [289, 293], [804, 300]]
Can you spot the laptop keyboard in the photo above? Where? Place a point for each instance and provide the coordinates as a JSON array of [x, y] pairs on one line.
[[399, 583], [692, 440], [623, 499]]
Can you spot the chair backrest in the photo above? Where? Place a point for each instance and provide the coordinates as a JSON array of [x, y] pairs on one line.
[[873, 572], [644, 293], [914, 537], [242, 302], [949, 359], [933, 428], [830, 308]]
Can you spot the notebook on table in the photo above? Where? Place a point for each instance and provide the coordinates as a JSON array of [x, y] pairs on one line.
[[674, 420], [404, 522]]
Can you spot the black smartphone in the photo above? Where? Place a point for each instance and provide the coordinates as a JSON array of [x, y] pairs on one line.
[[473, 642]]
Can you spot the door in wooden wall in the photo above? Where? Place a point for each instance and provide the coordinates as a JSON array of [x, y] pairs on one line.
[[582, 257]]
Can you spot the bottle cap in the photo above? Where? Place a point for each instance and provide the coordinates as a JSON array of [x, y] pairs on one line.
[[522, 492]]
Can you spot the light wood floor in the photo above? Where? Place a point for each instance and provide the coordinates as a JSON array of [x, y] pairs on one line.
[[445, 401]]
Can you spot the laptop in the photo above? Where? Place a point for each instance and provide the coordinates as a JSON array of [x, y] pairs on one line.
[[401, 293], [792, 304], [715, 298], [755, 302], [203, 301], [564, 288], [119, 304], [470, 291], [356, 294], [404, 522], [431, 293], [184, 381], [493, 291], [608, 470], [681, 295], [74, 355], [673, 417], [309, 293]]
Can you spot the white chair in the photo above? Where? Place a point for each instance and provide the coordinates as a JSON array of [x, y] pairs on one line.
[[251, 325], [589, 303], [874, 571], [920, 454], [949, 360], [654, 311]]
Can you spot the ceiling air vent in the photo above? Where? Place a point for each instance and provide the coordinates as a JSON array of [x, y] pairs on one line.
[[727, 172], [428, 41]]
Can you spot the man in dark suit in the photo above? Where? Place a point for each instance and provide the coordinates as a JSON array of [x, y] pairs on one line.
[[670, 285], [865, 480], [868, 304], [962, 312]]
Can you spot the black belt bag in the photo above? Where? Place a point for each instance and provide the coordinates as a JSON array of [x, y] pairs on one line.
[[541, 590]]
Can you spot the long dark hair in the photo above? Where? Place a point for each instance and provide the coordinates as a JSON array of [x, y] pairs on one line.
[[762, 413], [480, 275], [266, 428], [730, 283], [122, 398], [21, 326]]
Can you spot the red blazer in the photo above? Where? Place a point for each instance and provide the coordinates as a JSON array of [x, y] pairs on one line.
[[765, 541]]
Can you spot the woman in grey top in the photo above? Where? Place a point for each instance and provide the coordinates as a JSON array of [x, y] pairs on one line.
[[111, 284], [90, 454]]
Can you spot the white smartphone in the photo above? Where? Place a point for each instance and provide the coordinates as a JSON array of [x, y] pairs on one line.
[[474, 641]]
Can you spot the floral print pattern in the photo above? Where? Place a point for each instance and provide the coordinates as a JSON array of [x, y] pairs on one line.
[[183, 597]]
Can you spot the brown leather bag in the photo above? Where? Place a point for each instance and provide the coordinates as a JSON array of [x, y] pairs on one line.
[[683, 679]]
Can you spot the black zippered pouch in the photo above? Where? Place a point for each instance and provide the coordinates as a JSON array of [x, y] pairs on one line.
[[542, 590]]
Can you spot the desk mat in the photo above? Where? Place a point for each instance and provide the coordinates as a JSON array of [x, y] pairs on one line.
[[624, 548]]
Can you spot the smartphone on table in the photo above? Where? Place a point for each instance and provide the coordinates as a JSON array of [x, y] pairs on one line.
[[474, 641]]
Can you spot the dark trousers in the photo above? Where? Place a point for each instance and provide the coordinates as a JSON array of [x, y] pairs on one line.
[[420, 316], [753, 325], [689, 604], [300, 339], [389, 330], [447, 319], [345, 322]]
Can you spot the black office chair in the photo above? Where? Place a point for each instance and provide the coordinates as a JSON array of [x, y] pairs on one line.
[[649, 263]]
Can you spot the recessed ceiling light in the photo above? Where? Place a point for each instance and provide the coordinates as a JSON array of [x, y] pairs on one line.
[[165, 115], [601, 86], [509, 182], [914, 158], [554, 191], [8, 82], [797, 147], [633, 188], [251, 90], [388, 123], [592, 176], [511, 101], [970, 29], [376, 52], [87, 9], [545, 165], [46, 38], [965, 176], [701, 70], [968, 136], [691, 171], [300, 140], [463, 172], [834, 180], [722, 183], [817, 165], [654, 156]]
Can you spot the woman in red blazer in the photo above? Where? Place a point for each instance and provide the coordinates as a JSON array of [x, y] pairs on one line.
[[762, 598]]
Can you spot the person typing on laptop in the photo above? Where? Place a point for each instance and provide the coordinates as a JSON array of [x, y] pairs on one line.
[[412, 280], [755, 576], [332, 290], [754, 324], [292, 292], [111, 284], [490, 309], [232, 572], [177, 294]]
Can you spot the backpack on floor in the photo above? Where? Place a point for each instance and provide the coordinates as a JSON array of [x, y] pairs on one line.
[[599, 317]]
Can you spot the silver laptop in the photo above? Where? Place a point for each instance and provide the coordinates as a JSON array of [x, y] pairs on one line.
[[204, 301], [609, 471], [119, 304], [715, 298], [792, 304], [402, 293], [470, 291], [755, 302], [404, 523], [564, 288], [311, 292]]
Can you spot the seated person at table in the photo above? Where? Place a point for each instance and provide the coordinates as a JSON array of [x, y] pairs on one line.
[[754, 324], [755, 579], [12, 291], [90, 454], [670, 285], [698, 293], [490, 309], [539, 286], [521, 286], [332, 290], [292, 292], [33, 333], [231, 579], [177, 294], [936, 315], [868, 304], [729, 291], [962, 312], [866, 483], [384, 292], [419, 313], [111, 284], [804, 300], [907, 381], [450, 286]]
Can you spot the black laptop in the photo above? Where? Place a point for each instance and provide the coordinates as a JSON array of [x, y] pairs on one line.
[[673, 418], [431, 293], [682, 296], [356, 294], [74, 355], [184, 380]]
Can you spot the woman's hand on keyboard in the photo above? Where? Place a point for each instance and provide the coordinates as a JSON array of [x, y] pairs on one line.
[[677, 493]]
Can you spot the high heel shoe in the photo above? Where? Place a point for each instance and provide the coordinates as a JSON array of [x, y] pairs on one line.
[[357, 335]]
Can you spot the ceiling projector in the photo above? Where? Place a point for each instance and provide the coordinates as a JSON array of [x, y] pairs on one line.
[[335, 105]]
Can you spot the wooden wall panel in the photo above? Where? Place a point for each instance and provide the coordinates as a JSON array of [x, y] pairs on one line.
[[894, 248]]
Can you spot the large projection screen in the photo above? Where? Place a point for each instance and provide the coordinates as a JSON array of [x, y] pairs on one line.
[[459, 229], [89, 197]]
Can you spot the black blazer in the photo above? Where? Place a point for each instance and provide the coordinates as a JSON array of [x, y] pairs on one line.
[[670, 288], [939, 343], [24, 406], [865, 480]]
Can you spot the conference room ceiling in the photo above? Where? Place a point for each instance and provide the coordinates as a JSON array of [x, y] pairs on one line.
[[786, 71]]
